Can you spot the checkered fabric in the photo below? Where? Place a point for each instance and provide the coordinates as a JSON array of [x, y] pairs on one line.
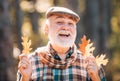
[[45, 67]]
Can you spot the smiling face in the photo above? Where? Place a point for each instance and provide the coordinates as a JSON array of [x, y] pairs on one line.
[[61, 30]]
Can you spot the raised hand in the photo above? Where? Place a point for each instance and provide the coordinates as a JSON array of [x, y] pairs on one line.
[[92, 68], [24, 67]]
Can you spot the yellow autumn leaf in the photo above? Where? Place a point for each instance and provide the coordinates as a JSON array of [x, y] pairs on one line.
[[26, 45], [83, 45], [89, 49], [101, 60]]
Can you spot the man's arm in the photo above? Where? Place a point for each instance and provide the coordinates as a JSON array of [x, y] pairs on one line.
[[24, 68], [95, 73]]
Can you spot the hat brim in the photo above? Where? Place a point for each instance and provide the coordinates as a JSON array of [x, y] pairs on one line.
[[62, 10]]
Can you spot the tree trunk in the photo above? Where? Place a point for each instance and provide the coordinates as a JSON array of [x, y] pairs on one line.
[[6, 44], [17, 23], [104, 24], [97, 23], [92, 21], [34, 16], [104, 32], [98, 27]]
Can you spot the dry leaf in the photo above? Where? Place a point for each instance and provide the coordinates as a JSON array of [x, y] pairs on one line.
[[87, 49], [83, 45], [101, 60], [26, 45]]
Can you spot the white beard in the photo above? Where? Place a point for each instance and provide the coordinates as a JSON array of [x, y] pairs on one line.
[[62, 43]]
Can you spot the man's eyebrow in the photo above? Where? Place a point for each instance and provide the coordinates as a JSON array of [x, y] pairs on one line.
[[59, 17]]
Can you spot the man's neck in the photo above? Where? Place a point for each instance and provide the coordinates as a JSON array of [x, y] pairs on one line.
[[60, 50]]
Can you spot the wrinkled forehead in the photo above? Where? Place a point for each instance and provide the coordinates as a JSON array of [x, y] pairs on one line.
[[63, 15]]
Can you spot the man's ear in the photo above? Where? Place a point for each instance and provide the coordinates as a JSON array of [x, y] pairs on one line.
[[46, 29]]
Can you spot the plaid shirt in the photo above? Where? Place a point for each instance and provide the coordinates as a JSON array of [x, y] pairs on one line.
[[57, 70]]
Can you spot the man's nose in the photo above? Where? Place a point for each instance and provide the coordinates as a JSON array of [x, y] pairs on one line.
[[65, 27]]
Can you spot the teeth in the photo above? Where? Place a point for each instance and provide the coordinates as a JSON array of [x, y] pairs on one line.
[[64, 35]]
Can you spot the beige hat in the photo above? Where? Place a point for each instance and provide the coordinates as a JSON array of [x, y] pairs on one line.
[[62, 10]]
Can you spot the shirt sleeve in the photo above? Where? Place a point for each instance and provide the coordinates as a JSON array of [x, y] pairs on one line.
[[102, 74], [18, 76]]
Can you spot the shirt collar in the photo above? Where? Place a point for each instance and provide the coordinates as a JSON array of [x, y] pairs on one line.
[[55, 54]]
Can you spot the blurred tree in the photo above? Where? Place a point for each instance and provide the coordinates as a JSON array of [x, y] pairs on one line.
[[7, 72], [34, 16], [92, 19], [114, 42], [104, 33], [97, 26], [59, 2], [17, 22]]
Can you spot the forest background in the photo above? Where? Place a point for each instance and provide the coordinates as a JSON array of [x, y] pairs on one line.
[[99, 21]]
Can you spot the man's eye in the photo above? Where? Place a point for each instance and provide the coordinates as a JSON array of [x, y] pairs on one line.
[[59, 22], [70, 24]]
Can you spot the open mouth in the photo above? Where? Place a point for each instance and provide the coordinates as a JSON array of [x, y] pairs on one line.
[[64, 35]]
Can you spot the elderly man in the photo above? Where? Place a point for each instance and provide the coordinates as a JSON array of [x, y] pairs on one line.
[[59, 60]]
